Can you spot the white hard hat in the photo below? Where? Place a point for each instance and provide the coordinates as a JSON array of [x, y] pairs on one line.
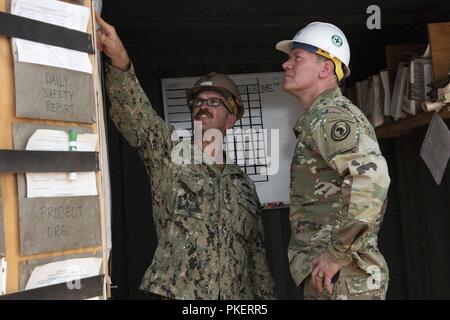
[[325, 39]]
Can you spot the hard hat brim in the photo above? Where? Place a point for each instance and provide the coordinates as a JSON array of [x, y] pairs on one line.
[[195, 91], [284, 46], [346, 71]]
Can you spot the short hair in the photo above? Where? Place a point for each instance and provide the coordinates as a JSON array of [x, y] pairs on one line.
[[321, 58]]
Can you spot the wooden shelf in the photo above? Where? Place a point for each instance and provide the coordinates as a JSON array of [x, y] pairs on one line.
[[405, 126]]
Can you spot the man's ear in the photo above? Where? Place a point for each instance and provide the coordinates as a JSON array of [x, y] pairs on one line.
[[327, 69], [230, 121]]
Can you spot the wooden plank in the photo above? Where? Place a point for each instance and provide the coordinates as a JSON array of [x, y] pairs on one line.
[[102, 148], [8, 182], [405, 126], [439, 37]]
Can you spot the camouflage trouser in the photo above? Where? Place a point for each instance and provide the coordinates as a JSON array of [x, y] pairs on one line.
[[352, 284]]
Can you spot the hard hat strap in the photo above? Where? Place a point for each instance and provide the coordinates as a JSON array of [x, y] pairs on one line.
[[233, 104], [337, 63]]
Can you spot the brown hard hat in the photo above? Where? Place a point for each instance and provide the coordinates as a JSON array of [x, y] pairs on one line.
[[221, 84]]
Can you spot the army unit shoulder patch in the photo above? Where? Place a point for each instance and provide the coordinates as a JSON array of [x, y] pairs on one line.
[[339, 136], [340, 130]]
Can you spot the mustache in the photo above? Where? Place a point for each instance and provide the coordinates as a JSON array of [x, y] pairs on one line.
[[202, 112]]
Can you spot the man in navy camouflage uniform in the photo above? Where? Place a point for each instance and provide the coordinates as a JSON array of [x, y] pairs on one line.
[[207, 215], [339, 178]]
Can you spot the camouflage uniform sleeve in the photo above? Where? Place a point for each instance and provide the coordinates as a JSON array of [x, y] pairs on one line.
[[262, 277], [349, 149], [133, 114]]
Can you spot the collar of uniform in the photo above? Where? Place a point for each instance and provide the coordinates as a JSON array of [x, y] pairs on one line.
[[298, 125], [200, 157], [327, 94], [229, 169], [230, 166]]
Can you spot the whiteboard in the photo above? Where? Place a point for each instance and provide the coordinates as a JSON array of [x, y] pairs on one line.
[[252, 143]]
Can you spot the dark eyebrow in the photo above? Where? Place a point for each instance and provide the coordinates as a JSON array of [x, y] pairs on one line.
[[296, 54]]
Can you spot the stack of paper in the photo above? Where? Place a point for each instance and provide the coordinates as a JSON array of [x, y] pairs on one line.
[[398, 93], [64, 271], [58, 184], [58, 13], [2, 276]]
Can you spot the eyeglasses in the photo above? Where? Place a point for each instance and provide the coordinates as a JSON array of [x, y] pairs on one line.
[[212, 102]]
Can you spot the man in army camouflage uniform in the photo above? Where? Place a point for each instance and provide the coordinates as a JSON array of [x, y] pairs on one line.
[[207, 216], [339, 178]]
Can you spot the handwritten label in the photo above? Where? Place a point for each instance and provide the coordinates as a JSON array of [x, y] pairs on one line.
[[57, 231], [61, 212], [58, 214], [57, 98], [266, 88]]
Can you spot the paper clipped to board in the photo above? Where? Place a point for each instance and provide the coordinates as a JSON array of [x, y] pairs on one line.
[[64, 271], [58, 184], [2, 276], [58, 13]]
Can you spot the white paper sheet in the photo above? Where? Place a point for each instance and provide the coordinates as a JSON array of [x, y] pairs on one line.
[[64, 271], [2, 276], [59, 13], [58, 184]]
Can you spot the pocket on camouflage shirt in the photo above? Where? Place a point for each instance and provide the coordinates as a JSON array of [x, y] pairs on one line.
[[248, 204], [245, 220], [189, 197], [246, 198]]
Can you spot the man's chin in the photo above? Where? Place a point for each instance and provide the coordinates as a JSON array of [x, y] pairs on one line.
[[287, 88], [206, 122]]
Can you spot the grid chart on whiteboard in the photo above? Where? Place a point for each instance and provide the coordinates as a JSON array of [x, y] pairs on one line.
[[246, 147]]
